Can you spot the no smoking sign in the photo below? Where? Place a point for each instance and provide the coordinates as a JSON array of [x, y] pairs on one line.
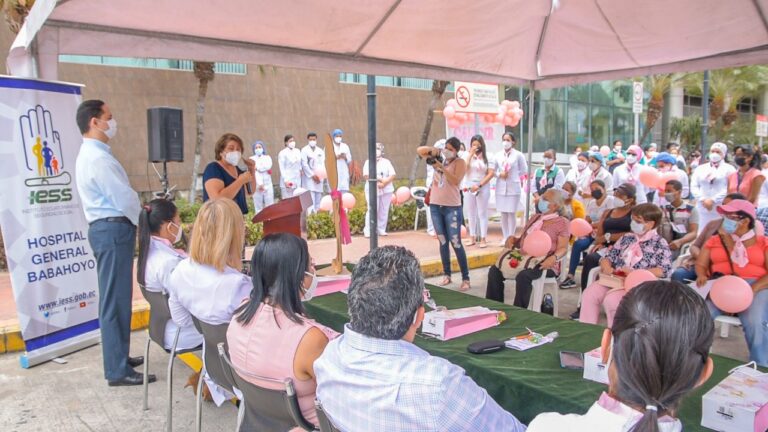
[[463, 96]]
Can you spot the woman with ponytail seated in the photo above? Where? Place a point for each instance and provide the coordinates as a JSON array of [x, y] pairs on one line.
[[270, 334], [159, 230], [655, 355]]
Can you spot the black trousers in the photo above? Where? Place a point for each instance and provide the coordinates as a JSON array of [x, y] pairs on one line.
[[590, 261], [494, 290]]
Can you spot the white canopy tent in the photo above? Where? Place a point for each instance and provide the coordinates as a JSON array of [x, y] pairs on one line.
[[541, 43]]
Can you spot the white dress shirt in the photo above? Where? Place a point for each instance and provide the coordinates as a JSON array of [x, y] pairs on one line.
[[203, 292], [289, 160], [384, 169], [310, 159], [342, 166], [369, 384], [624, 174], [103, 185], [263, 168], [162, 260]]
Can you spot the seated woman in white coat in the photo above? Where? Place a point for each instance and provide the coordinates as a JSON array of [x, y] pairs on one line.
[[159, 230], [510, 167], [385, 176], [208, 285], [264, 195], [655, 355]]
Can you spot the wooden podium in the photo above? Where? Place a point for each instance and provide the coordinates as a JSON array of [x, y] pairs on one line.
[[286, 216]]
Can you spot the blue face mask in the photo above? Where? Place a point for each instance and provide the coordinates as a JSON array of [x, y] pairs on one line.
[[543, 205], [730, 225]]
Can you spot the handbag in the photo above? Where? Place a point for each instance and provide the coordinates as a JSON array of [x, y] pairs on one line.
[[611, 280], [511, 262]]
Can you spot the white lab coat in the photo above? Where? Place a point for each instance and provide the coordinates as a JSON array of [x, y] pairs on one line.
[[162, 260], [384, 169], [709, 181], [264, 195], [508, 190], [581, 178], [342, 166], [289, 160], [603, 175], [311, 159], [623, 174]]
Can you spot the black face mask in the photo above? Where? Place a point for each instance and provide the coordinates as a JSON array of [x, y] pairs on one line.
[[740, 160], [597, 194]]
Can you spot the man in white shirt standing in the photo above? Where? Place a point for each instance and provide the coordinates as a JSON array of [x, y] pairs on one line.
[[373, 378], [289, 160], [312, 157], [343, 159], [629, 172], [112, 209]]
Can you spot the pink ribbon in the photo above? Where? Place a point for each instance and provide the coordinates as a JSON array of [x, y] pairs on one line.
[[346, 236]]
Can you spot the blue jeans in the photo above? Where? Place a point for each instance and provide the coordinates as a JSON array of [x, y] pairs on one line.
[[755, 323], [684, 275], [579, 246], [113, 244], [447, 223]]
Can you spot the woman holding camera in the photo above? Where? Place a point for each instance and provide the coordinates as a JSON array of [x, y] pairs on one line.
[[445, 205]]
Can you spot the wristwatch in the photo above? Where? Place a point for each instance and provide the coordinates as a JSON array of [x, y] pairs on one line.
[[607, 237]]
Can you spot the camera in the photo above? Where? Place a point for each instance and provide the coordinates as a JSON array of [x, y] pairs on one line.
[[431, 160]]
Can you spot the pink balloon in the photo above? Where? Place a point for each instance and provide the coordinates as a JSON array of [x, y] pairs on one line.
[[449, 112], [394, 199], [454, 123], [507, 103], [731, 294], [514, 104], [667, 176], [452, 103], [650, 177], [320, 172], [500, 118], [580, 227], [514, 123], [502, 109], [463, 231], [605, 150], [326, 203], [636, 277], [403, 194], [348, 200], [537, 244]]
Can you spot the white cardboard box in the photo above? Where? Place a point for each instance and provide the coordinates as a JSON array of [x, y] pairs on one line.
[[594, 369], [739, 403]]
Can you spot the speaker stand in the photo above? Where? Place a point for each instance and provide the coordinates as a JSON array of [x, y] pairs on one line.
[[164, 180]]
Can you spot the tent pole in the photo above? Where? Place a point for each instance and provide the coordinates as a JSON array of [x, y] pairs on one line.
[[372, 176], [704, 113], [531, 95]]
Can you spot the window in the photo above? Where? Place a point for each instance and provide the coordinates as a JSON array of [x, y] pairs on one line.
[[148, 63], [388, 81], [748, 105]]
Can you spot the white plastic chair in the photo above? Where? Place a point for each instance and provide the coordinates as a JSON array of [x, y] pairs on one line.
[[418, 193], [537, 290], [725, 322]]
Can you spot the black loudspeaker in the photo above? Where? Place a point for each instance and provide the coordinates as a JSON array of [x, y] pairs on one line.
[[165, 133]]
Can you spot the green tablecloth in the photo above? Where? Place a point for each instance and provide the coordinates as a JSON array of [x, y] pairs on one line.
[[524, 383]]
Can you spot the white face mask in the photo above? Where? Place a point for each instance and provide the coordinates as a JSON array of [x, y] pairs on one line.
[[548, 162], [232, 157], [292, 144], [507, 145], [259, 151], [111, 130], [594, 166], [178, 234], [715, 157], [631, 159], [448, 154], [312, 143], [378, 153], [580, 165], [637, 227], [337, 140], [310, 292]]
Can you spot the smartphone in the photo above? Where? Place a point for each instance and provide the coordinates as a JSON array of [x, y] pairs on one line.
[[571, 360]]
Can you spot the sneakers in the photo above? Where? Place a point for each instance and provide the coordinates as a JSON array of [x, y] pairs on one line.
[[568, 283]]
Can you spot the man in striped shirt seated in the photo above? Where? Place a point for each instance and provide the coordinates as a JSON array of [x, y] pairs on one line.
[[373, 378]]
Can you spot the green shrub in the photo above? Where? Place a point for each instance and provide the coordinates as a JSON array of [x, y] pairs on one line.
[[187, 211]]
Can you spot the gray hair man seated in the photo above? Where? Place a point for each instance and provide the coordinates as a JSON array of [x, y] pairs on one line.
[[373, 378]]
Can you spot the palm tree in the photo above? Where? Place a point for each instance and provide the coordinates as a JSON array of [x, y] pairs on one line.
[[687, 131], [658, 86], [204, 73], [726, 89], [16, 12], [438, 89]]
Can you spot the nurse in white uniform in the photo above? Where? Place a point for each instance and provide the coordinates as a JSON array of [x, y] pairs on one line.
[[580, 174], [289, 160], [312, 157], [439, 144], [343, 159], [480, 172], [629, 172], [385, 176], [510, 166], [709, 184], [265, 194], [159, 229]]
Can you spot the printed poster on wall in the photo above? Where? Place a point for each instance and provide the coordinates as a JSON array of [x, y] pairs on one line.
[[52, 267]]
